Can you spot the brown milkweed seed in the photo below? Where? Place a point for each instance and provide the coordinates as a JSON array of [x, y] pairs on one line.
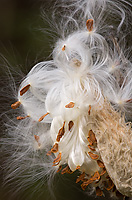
[[24, 89], [16, 105]]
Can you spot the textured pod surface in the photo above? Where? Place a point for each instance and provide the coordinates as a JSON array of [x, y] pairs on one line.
[[115, 146]]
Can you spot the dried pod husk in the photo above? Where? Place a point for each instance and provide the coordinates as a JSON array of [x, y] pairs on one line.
[[114, 141]]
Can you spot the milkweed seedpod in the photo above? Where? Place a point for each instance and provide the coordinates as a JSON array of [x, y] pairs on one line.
[[115, 146], [78, 104]]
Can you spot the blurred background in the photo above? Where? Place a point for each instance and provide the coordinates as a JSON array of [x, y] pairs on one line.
[[24, 41]]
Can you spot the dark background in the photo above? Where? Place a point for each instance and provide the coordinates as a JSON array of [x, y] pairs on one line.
[[24, 41]]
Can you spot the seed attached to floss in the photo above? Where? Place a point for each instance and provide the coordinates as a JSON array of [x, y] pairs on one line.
[[24, 89], [70, 125], [85, 184], [49, 153], [60, 133], [65, 170], [130, 100], [78, 167], [70, 105], [97, 181], [80, 178], [57, 160], [20, 117], [89, 109], [55, 148], [93, 156], [100, 164], [110, 185], [63, 48], [99, 192], [90, 141], [89, 24], [77, 62], [103, 172], [37, 139], [59, 169], [41, 118], [92, 137], [91, 148], [16, 105], [95, 177]]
